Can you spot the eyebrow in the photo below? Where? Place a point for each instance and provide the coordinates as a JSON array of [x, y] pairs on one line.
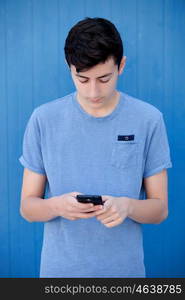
[[78, 75]]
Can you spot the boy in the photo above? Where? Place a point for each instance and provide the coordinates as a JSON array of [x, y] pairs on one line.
[[99, 141]]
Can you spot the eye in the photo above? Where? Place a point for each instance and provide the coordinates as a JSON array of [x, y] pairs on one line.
[[104, 80], [86, 80], [83, 81]]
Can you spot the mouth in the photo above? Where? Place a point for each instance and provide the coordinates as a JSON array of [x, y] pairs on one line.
[[96, 100]]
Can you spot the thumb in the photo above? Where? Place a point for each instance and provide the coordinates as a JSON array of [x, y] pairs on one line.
[[105, 198], [74, 194]]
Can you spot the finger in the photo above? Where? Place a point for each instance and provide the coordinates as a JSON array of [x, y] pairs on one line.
[[84, 215], [104, 212], [72, 218], [87, 207], [81, 206], [114, 223], [110, 219], [100, 216], [95, 208], [108, 203], [74, 194], [105, 198]]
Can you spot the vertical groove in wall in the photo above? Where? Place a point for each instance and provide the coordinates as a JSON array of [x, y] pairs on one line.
[[137, 62], [32, 53], [58, 47], [163, 54], [7, 140]]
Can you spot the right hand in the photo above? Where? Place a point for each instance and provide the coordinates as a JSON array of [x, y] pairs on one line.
[[68, 207]]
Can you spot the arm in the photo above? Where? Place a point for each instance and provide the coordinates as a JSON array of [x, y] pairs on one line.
[[33, 206], [152, 210], [155, 208], [36, 209]]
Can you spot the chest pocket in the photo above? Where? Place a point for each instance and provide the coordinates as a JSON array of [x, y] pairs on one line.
[[124, 154]]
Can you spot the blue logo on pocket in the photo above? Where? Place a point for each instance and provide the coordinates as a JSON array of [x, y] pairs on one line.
[[126, 137]]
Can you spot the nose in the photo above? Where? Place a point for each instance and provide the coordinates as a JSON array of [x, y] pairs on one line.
[[93, 90]]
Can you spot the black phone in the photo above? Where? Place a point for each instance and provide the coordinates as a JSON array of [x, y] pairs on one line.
[[95, 199]]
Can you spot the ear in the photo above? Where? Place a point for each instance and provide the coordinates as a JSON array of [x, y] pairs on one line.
[[122, 65]]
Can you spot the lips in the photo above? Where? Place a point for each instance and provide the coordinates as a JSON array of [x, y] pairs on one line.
[[95, 100]]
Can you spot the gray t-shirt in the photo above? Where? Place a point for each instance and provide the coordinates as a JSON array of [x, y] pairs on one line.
[[107, 155]]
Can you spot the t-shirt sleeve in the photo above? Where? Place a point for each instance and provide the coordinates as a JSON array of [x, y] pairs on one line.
[[32, 153], [158, 152]]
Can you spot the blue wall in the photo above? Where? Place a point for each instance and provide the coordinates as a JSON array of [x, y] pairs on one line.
[[32, 72]]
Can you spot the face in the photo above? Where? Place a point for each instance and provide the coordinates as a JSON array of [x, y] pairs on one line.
[[97, 87]]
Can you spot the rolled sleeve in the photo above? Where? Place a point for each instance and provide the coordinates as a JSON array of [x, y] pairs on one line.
[[31, 157], [158, 151]]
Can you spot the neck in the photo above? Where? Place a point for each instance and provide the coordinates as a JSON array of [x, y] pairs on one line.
[[102, 111]]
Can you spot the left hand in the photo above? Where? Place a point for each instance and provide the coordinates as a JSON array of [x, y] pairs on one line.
[[114, 211]]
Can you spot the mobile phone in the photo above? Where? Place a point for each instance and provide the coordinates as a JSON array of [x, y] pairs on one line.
[[95, 199]]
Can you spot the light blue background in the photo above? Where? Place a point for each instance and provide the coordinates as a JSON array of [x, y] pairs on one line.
[[33, 71]]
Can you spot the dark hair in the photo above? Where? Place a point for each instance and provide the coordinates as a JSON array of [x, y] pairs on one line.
[[92, 41]]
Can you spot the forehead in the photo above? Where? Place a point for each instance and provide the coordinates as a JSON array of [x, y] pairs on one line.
[[107, 67]]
